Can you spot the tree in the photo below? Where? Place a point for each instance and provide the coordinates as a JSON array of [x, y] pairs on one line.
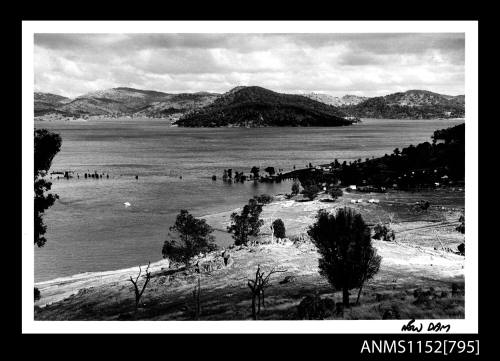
[[247, 223], [195, 235], [335, 192], [383, 232], [138, 294], [347, 258], [295, 187], [37, 294], [270, 170], [461, 227], [257, 286], [46, 146], [310, 191], [279, 228]]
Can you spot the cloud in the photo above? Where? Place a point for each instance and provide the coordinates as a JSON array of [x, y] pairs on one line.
[[364, 64]]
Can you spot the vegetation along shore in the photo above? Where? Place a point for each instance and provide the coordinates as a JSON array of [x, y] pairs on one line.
[[380, 238]]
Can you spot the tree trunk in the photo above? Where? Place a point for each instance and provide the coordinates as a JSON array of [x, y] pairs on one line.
[[254, 314], [359, 293], [345, 298]]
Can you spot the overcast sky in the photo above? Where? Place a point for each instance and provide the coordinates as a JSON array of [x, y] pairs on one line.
[[336, 64]]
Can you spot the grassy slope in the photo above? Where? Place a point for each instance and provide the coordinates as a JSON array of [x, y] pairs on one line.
[[409, 263]]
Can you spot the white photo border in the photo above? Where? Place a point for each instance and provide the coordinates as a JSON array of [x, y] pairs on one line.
[[467, 325]]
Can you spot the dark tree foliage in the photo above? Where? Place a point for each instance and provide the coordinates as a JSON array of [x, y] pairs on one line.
[[347, 258], [412, 167], [381, 231], [335, 192], [247, 223], [279, 228], [311, 190], [37, 294], [46, 146], [461, 249], [255, 171], [256, 106], [270, 170], [461, 227], [295, 187], [195, 236]]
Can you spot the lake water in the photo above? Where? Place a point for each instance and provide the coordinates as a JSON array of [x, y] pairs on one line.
[[89, 228]]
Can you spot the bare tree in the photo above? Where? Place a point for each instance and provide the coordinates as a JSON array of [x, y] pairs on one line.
[[258, 286], [138, 294]]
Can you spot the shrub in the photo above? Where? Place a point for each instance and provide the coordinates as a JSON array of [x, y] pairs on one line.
[[383, 232], [313, 307], [461, 249], [195, 235], [335, 192], [279, 228], [37, 294], [347, 258], [264, 199]]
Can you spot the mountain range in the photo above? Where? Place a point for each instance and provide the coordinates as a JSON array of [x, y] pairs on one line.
[[250, 106]]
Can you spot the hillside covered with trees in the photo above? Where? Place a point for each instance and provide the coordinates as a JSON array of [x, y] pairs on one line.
[[257, 107], [441, 161], [413, 104]]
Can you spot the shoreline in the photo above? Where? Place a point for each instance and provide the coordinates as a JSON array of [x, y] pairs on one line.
[[297, 216]]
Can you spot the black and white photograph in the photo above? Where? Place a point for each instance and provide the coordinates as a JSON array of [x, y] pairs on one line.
[[252, 173]]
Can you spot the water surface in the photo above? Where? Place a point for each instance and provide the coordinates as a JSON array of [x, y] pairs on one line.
[[90, 229]]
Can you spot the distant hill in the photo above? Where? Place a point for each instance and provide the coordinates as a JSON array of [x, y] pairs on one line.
[[177, 103], [47, 102], [256, 107], [251, 106], [412, 104], [124, 101], [335, 101]]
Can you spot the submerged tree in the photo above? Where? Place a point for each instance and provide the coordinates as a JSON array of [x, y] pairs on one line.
[[195, 236], [46, 146], [347, 258], [255, 171], [270, 170]]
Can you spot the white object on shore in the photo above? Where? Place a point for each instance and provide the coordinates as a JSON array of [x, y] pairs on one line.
[[127, 204]]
